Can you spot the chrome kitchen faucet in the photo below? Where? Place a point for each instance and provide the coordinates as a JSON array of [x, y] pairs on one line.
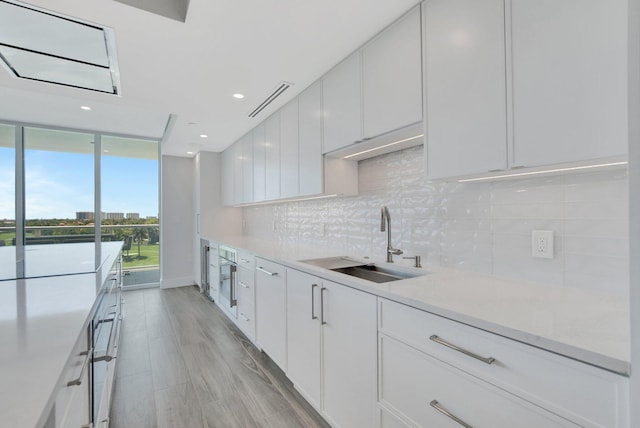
[[385, 222]]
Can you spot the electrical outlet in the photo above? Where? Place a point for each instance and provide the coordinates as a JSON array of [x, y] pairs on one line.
[[542, 244]]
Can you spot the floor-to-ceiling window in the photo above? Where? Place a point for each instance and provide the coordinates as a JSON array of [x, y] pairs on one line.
[[129, 172], [7, 202], [57, 186]]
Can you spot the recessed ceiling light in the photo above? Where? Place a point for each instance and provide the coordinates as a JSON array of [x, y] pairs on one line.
[[192, 123], [203, 135], [238, 96], [189, 153], [105, 151], [87, 108]]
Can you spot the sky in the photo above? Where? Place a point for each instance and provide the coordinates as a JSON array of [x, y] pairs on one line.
[[58, 184]]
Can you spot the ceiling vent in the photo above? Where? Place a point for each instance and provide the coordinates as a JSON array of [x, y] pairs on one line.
[[280, 88]]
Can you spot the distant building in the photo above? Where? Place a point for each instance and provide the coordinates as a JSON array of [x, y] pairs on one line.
[[84, 215], [133, 215], [112, 216]]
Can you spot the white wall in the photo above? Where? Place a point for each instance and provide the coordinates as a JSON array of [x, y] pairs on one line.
[[480, 227], [176, 222], [211, 219]]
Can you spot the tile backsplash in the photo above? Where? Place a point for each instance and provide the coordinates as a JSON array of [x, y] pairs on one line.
[[482, 227]]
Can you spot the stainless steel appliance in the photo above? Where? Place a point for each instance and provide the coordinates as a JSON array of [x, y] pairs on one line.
[[204, 268], [228, 258]]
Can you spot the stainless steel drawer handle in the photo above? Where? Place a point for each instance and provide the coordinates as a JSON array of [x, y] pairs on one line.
[[76, 382], [114, 342], [243, 285], [243, 317], [244, 260], [322, 321], [439, 408], [266, 271], [313, 302], [105, 423], [486, 360]]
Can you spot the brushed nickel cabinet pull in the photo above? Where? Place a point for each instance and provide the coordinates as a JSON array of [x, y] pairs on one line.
[[266, 271], [486, 360], [77, 382], [243, 284], [322, 321], [243, 317], [439, 408], [313, 302], [244, 260]]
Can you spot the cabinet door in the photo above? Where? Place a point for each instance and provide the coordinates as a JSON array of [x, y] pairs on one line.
[[72, 401], [342, 104], [259, 163], [238, 172], [349, 356], [271, 308], [569, 80], [227, 176], [303, 334], [289, 160], [247, 162], [310, 144], [465, 87], [272, 157], [392, 77]]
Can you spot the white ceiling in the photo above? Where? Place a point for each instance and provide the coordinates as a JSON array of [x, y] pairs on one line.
[[192, 69]]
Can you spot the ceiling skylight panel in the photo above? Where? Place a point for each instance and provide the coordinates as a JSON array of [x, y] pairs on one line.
[[39, 45]]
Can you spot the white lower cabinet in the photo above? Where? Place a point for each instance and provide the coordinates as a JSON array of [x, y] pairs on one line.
[[271, 317], [332, 349], [485, 379], [430, 393], [72, 399], [245, 295]]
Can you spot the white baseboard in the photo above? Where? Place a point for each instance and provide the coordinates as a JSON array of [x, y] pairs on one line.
[[177, 282]]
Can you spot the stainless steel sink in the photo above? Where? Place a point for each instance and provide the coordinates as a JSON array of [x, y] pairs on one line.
[[374, 273], [369, 271]]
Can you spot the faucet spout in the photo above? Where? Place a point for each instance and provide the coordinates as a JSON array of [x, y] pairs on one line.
[[385, 223]]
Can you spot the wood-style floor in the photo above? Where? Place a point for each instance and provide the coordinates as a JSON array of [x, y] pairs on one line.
[[183, 364]]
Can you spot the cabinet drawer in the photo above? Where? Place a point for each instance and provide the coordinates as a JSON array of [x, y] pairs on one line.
[[418, 386], [246, 318], [245, 286], [585, 394], [246, 260]]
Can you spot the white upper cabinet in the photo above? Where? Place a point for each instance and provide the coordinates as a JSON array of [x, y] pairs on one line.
[[310, 143], [272, 157], [466, 108], [569, 80], [259, 163], [237, 172], [342, 104], [247, 162], [392, 77], [289, 161], [563, 64], [227, 177]]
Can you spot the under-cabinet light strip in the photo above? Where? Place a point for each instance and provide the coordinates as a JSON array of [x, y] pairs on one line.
[[546, 171], [382, 147], [282, 201]]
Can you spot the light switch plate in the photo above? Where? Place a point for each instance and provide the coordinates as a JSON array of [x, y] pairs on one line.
[[542, 244]]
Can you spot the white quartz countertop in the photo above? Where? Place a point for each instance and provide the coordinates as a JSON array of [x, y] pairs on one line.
[[40, 322], [580, 324]]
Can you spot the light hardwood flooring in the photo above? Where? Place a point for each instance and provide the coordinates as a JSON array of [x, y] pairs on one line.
[[183, 364]]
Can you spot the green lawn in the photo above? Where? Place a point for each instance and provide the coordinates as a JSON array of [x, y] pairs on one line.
[[149, 256], [6, 237]]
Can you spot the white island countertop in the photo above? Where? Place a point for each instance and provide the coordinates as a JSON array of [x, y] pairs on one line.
[[580, 324], [40, 322]]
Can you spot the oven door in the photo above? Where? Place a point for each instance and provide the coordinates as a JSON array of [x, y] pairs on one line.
[[228, 299]]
